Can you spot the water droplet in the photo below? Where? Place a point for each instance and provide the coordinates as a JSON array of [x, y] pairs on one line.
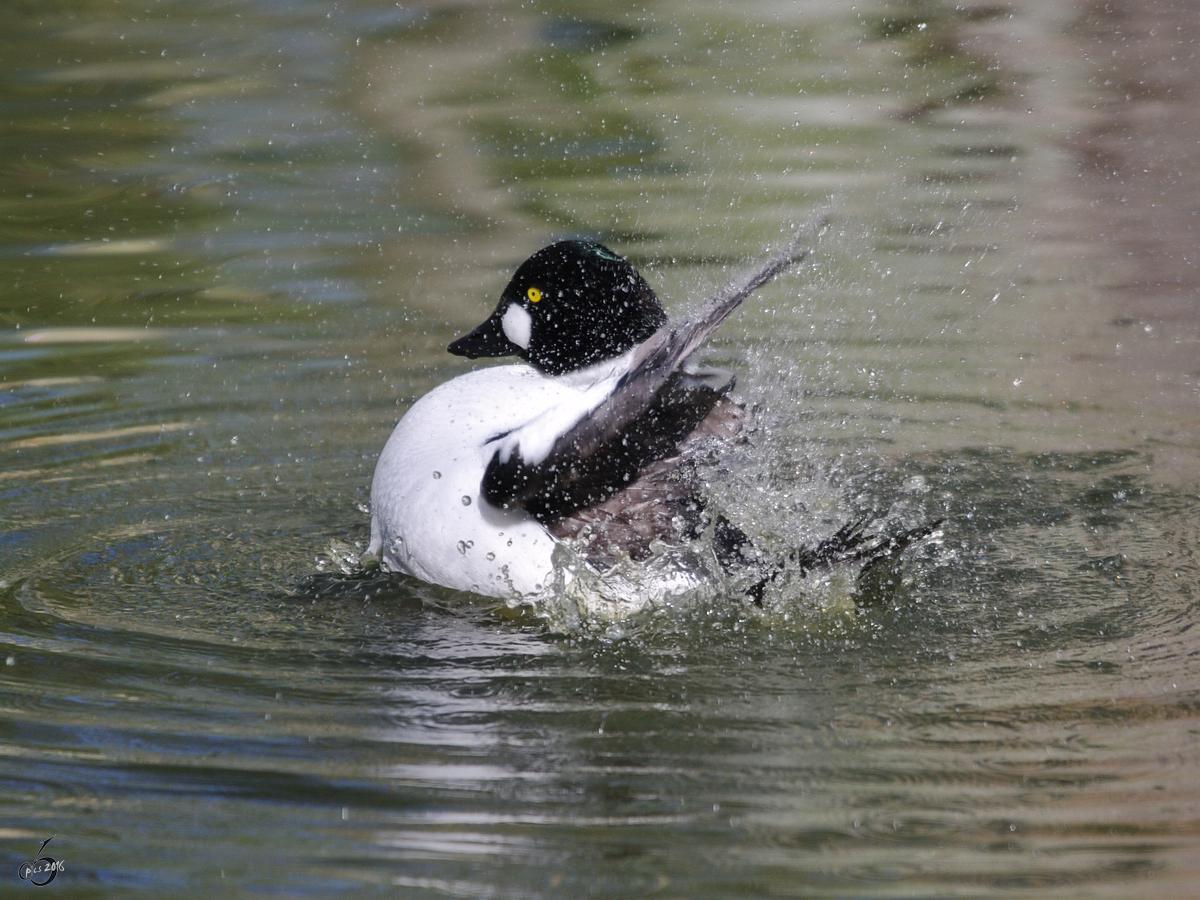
[[437, 475], [491, 556], [464, 546], [466, 500]]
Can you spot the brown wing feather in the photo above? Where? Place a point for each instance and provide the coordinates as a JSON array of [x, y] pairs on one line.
[[664, 496]]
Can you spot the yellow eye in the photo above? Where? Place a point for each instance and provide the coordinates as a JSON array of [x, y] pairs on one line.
[[533, 294]]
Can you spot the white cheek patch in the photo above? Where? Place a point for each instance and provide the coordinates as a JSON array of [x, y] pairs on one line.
[[517, 326]]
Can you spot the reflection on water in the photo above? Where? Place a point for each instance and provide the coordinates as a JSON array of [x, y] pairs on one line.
[[235, 240]]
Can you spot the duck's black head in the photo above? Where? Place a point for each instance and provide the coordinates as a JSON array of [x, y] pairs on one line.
[[569, 306]]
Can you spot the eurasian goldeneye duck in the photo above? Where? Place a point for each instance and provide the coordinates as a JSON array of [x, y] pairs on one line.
[[596, 435]]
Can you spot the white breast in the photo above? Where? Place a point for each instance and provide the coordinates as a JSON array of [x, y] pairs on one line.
[[427, 518]]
